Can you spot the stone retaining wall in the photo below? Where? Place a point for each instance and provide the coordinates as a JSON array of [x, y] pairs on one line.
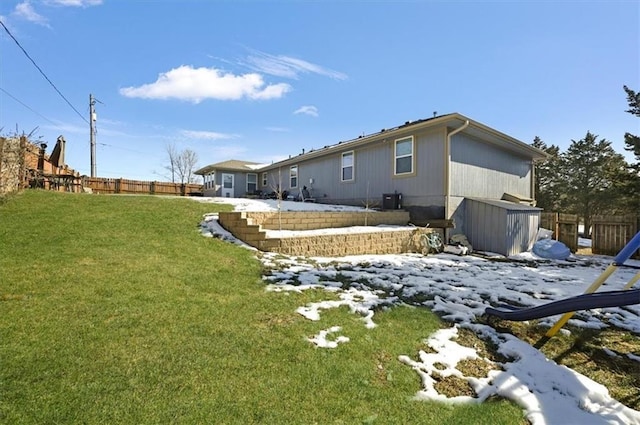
[[11, 164], [309, 220], [250, 227], [388, 242]]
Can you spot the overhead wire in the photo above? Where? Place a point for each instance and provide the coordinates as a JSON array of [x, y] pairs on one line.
[[42, 72], [28, 107]]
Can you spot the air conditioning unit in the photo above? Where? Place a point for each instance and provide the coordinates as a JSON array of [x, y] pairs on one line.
[[392, 201]]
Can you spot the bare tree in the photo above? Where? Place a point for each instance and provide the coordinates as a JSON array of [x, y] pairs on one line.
[[185, 166], [180, 165], [172, 156], [277, 188]]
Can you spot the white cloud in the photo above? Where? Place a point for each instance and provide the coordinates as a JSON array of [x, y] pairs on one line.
[[207, 135], [24, 10], [74, 3], [285, 66], [197, 84], [307, 110]]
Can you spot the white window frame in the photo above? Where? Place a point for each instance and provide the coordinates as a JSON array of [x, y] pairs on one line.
[[352, 166], [265, 179], [396, 157], [293, 174], [255, 182]]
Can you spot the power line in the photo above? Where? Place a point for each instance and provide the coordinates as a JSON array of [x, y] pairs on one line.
[[28, 107], [42, 72]]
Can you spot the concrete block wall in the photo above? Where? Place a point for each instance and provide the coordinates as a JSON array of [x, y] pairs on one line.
[[248, 226], [391, 242], [308, 220]]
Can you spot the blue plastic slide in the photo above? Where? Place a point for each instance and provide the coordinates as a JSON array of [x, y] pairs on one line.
[[580, 302]]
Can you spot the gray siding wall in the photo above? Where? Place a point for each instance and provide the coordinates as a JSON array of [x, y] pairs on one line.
[[239, 184], [373, 174], [485, 171]]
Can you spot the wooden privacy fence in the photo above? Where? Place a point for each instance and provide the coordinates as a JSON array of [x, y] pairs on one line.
[[124, 186], [611, 233], [564, 227]]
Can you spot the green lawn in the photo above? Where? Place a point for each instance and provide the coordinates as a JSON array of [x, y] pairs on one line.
[[114, 309]]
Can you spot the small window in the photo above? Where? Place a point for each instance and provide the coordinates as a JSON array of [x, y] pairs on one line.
[[252, 182], [293, 177], [208, 180], [347, 166], [404, 156], [227, 181], [265, 182]]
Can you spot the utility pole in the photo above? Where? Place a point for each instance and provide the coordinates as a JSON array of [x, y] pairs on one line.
[[92, 136]]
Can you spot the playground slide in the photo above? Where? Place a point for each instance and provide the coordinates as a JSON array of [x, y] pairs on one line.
[[580, 302]]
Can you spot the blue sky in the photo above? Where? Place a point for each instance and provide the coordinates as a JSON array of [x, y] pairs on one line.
[[260, 80]]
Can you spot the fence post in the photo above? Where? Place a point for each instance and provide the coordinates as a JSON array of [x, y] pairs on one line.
[[117, 185], [152, 188]]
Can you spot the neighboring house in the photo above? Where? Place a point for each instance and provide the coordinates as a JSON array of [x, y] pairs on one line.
[[427, 167], [230, 179]]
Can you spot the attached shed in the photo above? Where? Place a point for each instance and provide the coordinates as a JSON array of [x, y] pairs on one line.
[[503, 227]]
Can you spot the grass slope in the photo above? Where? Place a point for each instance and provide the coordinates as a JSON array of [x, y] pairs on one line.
[[114, 309]]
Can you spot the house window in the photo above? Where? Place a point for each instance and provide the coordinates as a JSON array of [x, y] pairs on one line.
[[252, 182], [404, 156], [347, 166], [227, 181], [264, 179], [293, 177]]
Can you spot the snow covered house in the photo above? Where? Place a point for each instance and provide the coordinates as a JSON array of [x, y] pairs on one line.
[[427, 167]]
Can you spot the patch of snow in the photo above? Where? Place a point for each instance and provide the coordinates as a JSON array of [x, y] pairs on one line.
[[321, 340], [460, 288]]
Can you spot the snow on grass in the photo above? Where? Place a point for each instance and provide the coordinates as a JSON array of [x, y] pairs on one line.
[[460, 288]]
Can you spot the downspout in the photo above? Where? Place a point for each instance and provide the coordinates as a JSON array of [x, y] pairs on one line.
[[533, 183], [447, 174]]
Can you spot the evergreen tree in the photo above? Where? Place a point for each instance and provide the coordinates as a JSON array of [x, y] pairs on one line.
[[631, 182], [632, 141], [547, 181], [591, 171]]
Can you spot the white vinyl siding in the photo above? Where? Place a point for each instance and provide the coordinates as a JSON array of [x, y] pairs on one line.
[[293, 177], [347, 167], [403, 155]]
